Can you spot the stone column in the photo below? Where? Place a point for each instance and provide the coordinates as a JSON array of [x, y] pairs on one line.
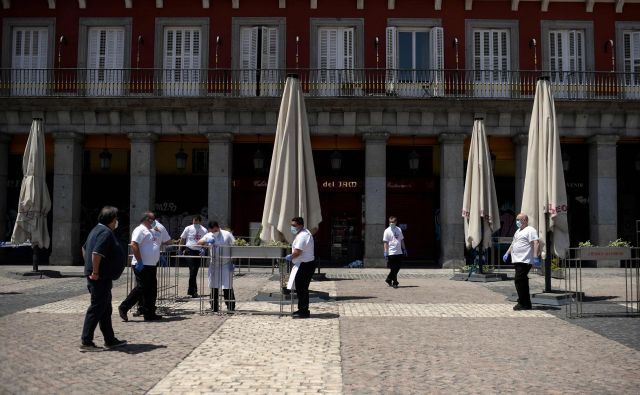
[[521, 147], [375, 197], [451, 191], [143, 176], [219, 201], [4, 176], [66, 199], [603, 196]]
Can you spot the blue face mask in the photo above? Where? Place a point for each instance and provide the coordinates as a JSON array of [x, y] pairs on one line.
[[294, 230], [518, 224]]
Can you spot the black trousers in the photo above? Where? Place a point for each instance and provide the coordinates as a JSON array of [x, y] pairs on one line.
[[302, 281], [99, 311], [394, 266], [522, 283], [144, 292], [194, 265], [229, 299]]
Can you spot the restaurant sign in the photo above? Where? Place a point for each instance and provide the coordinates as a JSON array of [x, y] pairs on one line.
[[604, 253]]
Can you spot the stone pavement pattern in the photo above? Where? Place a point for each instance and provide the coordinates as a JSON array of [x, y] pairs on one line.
[[431, 335]]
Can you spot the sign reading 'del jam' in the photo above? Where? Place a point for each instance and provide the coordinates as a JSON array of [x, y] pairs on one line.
[[604, 253], [340, 184]]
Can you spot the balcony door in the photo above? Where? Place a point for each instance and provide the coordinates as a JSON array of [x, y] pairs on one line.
[[182, 61], [567, 63], [491, 60], [29, 73], [336, 61], [631, 51], [414, 61], [105, 61], [259, 54]]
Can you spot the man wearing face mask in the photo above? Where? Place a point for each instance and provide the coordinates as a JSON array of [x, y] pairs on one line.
[[524, 250], [394, 250], [104, 261], [145, 245], [302, 256], [220, 277]]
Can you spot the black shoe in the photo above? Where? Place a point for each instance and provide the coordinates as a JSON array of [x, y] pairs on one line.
[[195, 295], [154, 317], [115, 343], [122, 312], [90, 347], [286, 291], [395, 285], [137, 313], [521, 307], [299, 314], [389, 283]]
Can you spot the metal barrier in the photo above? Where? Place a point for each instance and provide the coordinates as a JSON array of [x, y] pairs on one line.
[[602, 299], [167, 275]]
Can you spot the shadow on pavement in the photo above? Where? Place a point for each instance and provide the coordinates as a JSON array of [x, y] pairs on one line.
[[408, 286], [539, 307], [340, 298], [164, 319], [325, 316], [133, 348]]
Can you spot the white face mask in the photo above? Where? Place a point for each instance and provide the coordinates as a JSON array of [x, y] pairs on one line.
[[392, 224], [294, 230], [116, 225], [154, 224], [215, 234]]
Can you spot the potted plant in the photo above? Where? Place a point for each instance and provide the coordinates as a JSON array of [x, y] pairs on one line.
[[607, 256]]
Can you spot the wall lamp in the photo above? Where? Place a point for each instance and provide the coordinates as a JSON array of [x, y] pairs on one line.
[[532, 45], [610, 45]]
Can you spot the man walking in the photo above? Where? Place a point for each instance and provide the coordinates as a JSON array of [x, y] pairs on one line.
[[302, 250], [145, 245], [524, 251], [191, 235], [394, 250], [104, 261]]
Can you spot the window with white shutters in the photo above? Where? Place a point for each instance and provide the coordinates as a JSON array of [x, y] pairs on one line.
[[29, 61], [491, 61], [335, 58], [259, 57], [631, 59], [566, 56], [105, 61], [182, 61]]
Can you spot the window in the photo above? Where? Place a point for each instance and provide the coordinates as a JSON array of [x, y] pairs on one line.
[[492, 53], [336, 53], [200, 164], [259, 45], [29, 72], [414, 61], [105, 61], [182, 50], [631, 61]]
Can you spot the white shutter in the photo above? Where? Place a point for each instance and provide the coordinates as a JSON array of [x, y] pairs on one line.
[[248, 60], [269, 62], [576, 51], [348, 62], [437, 61], [391, 59], [29, 52], [182, 60]]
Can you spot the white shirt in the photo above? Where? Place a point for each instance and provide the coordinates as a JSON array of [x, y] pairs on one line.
[[192, 234], [521, 248], [224, 238], [303, 242], [149, 245], [393, 236], [161, 232]]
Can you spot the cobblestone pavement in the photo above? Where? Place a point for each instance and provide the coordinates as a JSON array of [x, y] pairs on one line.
[[431, 335]]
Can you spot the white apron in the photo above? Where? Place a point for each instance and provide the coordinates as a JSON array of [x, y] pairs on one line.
[[292, 277], [214, 275]]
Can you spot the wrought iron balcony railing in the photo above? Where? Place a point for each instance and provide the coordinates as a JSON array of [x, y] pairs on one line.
[[316, 83]]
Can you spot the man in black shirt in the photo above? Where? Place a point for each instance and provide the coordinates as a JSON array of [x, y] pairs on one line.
[[104, 261]]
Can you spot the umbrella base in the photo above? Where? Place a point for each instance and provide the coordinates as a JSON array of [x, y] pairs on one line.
[[557, 298], [480, 277], [42, 273]]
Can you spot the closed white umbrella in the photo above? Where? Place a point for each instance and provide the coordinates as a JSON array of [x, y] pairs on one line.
[[544, 198], [480, 202], [292, 189], [34, 203]]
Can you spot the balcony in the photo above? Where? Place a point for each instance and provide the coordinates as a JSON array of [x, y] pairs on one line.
[[410, 84]]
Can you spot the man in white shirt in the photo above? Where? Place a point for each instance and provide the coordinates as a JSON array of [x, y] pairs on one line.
[[302, 250], [394, 250], [220, 276], [191, 235], [145, 245], [524, 250]]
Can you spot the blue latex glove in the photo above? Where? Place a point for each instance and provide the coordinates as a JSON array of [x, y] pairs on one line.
[[288, 258], [211, 241], [505, 257], [386, 255], [202, 252], [536, 261], [163, 261], [139, 266], [405, 252]]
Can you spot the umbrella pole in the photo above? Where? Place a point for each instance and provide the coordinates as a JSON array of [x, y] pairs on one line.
[[36, 258], [481, 249]]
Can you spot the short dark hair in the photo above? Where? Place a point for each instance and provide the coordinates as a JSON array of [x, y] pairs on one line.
[[107, 215], [298, 220], [393, 219], [213, 224], [146, 215], [197, 218]]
